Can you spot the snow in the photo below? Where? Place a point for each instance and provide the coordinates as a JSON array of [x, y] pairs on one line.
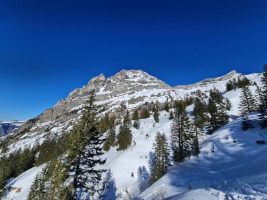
[[236, 170], [124, 163], [231, 171], [24, 181]]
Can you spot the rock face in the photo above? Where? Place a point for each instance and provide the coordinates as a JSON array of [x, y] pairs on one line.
[[8, 127], [127, 89], [210, 81]]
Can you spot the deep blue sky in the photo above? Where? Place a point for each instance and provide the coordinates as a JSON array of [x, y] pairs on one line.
[[48, 48]]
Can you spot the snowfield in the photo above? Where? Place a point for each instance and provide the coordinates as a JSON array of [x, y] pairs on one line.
[[23, 181], [236, 170]]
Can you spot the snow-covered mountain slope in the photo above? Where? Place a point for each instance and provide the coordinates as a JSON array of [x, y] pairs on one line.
[[127, 89], [236, 170], [22, 184], [7, 127], [124, 164]]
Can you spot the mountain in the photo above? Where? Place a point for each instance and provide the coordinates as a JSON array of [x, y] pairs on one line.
[[130, 89], [7, 127]]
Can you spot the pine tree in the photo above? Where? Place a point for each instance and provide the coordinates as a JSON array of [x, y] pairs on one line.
[[161, 160], [247, 103], [199, 113], [263, 103], [259, 98], [217, 107], [144, 113], [124, 137], [135, 115], [156, 114], [58, 177], [230, 85], [181, 135], [166, 106], [228, 104], [136, 124], [171, 115], [111, 138], [84, 154], [40, 187], [195, 146]]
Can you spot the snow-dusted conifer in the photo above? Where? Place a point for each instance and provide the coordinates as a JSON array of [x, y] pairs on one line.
[[181, 134], [84, 154], [247, 103], [161, 160], [124, 137]]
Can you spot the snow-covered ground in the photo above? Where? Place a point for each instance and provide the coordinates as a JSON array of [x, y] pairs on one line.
[[24, 182], [236, 170]]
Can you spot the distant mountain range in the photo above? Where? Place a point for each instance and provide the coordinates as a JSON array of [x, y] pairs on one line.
[[7, 127]]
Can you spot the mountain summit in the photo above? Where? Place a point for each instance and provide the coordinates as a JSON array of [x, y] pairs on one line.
[[127, 89]]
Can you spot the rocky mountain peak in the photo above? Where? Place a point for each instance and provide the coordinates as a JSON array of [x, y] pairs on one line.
[[210, 81], [229, 75], [136, 76], [100, 79]]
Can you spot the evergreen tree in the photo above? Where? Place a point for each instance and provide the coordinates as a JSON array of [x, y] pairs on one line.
[[105, 123], [144, 113], [230, 85], [195, 146], [228, 104], [40, 188], [259, 98], [181, 135], [217, 107], [242, 82], [239, 83], [171, 115], [124, 137], [111, 138], [263, 103], [247, 103], [135, 115], [161, 159], [58, 177], [156, 114], [136, 124], [166, 106], [199, 113], [84, 154]]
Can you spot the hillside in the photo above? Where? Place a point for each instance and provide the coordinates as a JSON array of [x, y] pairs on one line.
[[128, 89], [228, 173], [236, 169]]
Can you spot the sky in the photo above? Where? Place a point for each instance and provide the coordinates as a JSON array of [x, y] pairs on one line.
[[48, 48]]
